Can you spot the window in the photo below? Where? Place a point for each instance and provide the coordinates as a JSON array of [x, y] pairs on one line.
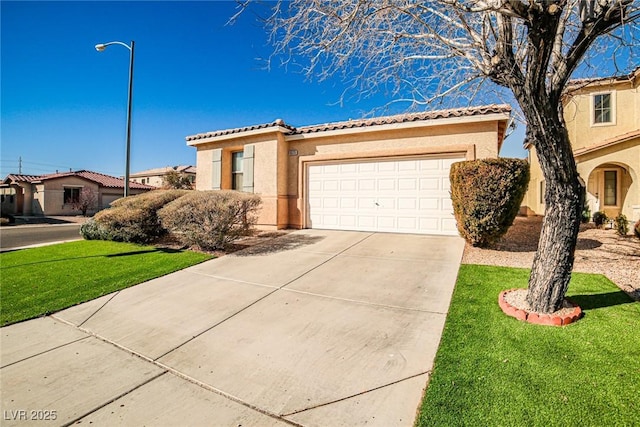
[[610, 188], [602, 108], [71, 195], [542, 189], [236, 170]]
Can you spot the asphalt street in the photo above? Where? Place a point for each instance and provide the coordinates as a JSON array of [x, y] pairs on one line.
[[15, 237]]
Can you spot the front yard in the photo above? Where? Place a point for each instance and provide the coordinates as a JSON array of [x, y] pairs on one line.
[[42, 280], [494, 370], [490, 369]]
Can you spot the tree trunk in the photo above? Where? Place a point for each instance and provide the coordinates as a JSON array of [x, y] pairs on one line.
[[553, 262]]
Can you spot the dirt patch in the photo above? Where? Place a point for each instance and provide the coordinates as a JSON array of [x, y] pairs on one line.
[[598, 251]]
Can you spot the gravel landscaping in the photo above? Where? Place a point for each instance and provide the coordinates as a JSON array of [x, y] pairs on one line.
[[599, 251]]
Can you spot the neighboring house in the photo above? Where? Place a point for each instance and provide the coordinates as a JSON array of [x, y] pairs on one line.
[[155, 177], [50, 194], [603, 120], [381, 174]]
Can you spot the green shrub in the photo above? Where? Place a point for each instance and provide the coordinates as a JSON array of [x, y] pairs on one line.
[[91, 230], [636, 229], [133, 218], [622, 224], [599, 218], [210, 220], [486, 196]]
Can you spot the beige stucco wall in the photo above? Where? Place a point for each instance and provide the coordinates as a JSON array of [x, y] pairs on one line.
[[578, 113], [49, 198], [280, 160]]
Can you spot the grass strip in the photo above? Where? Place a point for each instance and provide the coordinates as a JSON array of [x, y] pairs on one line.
[[38, 281], [494, 370]]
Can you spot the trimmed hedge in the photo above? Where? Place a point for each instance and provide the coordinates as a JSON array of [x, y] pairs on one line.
[[210, 220], [486, 196], [131, 219]]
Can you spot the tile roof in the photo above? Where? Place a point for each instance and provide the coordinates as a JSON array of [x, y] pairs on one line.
[[408, 117], [579, 83], [21, 178], [276, 123], [166, 169], [99, 178], [385, 120]]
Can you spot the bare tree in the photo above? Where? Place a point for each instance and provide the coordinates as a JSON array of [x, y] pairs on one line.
[[425, 51], [87, 200], [176, 180]]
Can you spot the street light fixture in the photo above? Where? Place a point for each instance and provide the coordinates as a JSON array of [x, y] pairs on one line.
[[100, 47]]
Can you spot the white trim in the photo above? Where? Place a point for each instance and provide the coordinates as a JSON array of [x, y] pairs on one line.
[[592, 96]]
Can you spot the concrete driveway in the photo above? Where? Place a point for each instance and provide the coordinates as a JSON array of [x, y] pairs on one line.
[[324, 328]]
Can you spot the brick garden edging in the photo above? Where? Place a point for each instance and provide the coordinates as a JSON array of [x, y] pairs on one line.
[[562, 318]]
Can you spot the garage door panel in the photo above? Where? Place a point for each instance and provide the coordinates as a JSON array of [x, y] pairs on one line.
[[365, 221], [407, 184], [449, 224], [385, 184], [348, 185], [407, 223], [408, 165], [429, 204], [386, 166], [367, 184], [410, 195], [348, 221], [407, 203], [429, 224], [430, 184], [348, 168]]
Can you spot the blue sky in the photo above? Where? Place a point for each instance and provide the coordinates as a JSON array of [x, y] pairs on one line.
[[64, 103]]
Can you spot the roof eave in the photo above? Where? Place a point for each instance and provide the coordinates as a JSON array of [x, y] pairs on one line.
[[203, 139], [401, 126]]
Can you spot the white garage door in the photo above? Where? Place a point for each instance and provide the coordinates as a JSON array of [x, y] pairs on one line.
[[401, 196]]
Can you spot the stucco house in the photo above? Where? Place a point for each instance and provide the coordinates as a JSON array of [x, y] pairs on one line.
[[603, 120], [155, 177], [380, 174], [49, 194]]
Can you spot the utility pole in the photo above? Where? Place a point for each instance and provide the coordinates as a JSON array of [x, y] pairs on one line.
[[20, 165]]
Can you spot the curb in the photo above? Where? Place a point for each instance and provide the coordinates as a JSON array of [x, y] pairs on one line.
[[539, 318]]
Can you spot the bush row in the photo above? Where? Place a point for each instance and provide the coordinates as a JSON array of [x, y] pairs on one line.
[[486, 196], [209, 220]]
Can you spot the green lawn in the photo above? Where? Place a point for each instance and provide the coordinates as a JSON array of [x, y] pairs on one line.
[[38, 281], [493, 370]]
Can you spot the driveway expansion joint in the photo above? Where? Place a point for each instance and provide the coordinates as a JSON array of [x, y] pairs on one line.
[[120, 396], [45, 351], [98, 309], [356, 394], [367, 303], [167, 368]]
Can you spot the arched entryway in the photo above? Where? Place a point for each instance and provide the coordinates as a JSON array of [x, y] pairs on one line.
[[608, 187]]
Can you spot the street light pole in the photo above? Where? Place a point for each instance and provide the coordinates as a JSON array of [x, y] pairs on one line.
[[100, 47]]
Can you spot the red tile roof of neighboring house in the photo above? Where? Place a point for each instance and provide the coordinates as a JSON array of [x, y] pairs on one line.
[[400, 118], [608, 142], [99, 178], [21, 178]]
